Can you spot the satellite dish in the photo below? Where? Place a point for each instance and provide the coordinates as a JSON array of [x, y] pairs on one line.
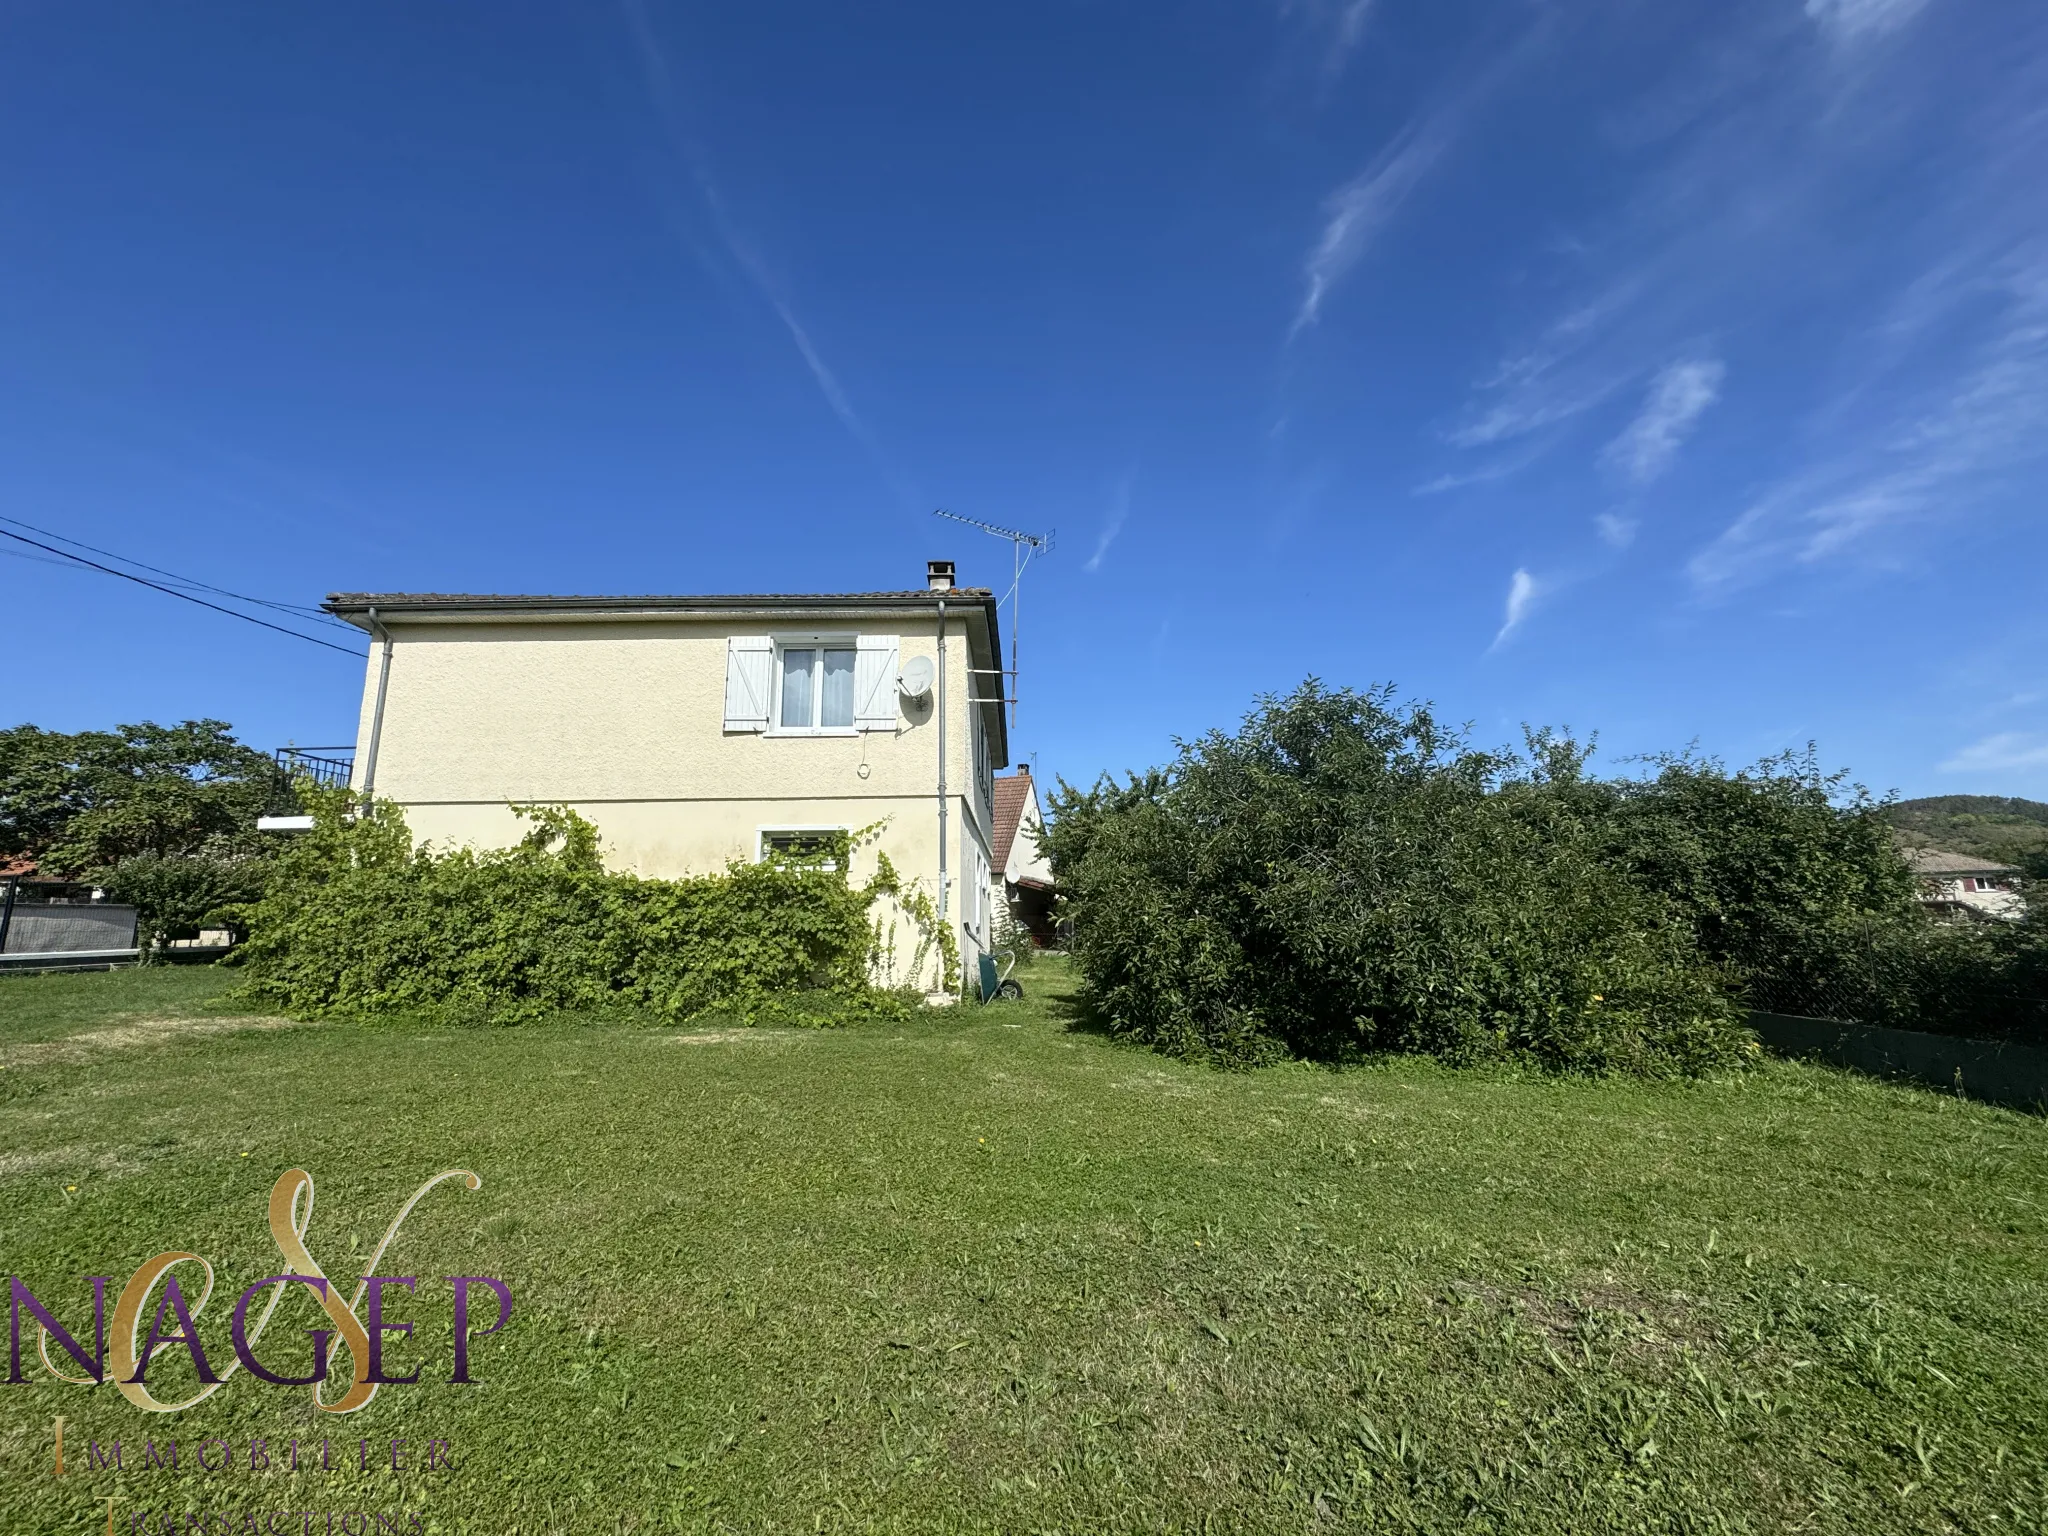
[[915, 680]]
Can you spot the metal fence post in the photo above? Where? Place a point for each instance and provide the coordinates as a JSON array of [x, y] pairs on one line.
[[7, 911]]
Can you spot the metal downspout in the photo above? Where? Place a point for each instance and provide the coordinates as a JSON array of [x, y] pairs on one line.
[[944, 889], [377, 715]]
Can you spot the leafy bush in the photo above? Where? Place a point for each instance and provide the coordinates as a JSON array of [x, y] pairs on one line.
[[1339, 877], [1783, 872], [1793, 882], [357, 920], [175, 894]]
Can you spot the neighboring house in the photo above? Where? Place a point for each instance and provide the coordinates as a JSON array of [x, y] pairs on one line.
[[1963, 885], [1023, 883], [694, 731]]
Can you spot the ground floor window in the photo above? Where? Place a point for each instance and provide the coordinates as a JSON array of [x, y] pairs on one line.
[[807, 845]]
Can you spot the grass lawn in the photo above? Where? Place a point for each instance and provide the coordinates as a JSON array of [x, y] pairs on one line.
[[987, 1271]]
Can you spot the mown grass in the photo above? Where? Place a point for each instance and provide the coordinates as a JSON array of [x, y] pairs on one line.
[[987, 1271]]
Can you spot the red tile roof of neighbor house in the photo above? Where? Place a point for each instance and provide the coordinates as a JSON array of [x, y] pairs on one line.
[[1011, 793], [9, 868]]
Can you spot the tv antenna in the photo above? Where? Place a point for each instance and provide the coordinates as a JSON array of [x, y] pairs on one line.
[[1024, 547]]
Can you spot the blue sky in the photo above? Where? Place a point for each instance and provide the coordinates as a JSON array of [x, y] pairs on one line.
[[1676, 371]]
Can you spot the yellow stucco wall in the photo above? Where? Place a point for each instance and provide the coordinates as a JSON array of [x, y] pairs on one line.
[[623, 719]]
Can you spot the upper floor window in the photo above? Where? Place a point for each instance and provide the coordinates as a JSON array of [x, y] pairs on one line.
[[815, 688], [811, 684]]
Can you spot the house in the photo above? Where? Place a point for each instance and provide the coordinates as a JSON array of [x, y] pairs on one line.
[[1022, 884], [694, 731], [1963, 885]]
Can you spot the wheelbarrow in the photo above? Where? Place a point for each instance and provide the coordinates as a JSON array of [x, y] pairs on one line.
[[998, 984]]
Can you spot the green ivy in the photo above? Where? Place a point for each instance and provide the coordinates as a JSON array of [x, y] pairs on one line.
[[357, 920]]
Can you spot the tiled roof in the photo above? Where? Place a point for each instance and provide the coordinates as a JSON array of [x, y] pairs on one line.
[[10, 867], [1011, 793], [1936, 861]]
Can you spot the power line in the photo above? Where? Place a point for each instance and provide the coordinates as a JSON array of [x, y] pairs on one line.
[[158, 586], [186, 582]]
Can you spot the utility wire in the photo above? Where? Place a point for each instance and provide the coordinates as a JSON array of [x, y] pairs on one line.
[[295, 609], [247, 618]]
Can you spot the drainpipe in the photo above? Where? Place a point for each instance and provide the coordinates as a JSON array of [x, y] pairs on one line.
[[944, 905], [377, 715]]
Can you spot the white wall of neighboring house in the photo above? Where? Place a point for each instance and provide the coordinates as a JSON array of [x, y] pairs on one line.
[[1026, 861], [1964, 883], [1982, 894]]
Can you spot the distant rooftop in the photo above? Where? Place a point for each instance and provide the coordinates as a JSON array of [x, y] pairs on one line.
[[1012, 790], [1937, 861]]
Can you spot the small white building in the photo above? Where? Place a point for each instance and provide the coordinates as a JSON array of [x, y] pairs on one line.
[[1963, 885]]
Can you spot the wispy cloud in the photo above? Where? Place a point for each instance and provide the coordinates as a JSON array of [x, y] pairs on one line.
[[668, 105], [1484, 474], [1953, 445], [1523, 592], [1853, 20], [1678, 397], [2000, 753], [1336, 26], [1534, 404], [1928, 407], [1543, 383], [1358, 210], [1616, 530], [1119, 509], [828, 382]]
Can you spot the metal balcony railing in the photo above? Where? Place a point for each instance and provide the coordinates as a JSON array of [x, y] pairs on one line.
[[328, 767]]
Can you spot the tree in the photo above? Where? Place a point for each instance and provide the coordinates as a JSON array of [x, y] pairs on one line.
[[163, 815], [80, 804]]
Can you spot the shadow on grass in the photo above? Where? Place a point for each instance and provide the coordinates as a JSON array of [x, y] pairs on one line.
[[1076, 1012]]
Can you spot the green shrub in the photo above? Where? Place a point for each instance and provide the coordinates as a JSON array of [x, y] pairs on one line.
[[356, 920], [1793, 882], [1782, 871], [1337, 877], [174, 893]]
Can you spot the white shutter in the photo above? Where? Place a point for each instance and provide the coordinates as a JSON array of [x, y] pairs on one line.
[[749, 679], [874, 683]]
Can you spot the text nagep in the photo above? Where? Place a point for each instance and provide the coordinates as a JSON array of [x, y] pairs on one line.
[[291, 1212]]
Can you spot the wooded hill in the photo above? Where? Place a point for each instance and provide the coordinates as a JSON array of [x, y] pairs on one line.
[[1990, 826]]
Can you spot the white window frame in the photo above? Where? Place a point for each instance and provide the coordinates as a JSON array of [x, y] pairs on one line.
[[768, 829], [819, 643]]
